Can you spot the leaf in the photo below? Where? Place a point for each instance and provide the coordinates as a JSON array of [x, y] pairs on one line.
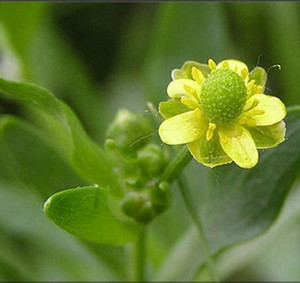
[[84, 212], [12, 16], [261, 256], [67, 77], [31, 159], [89, 160], [240, 204], [31, 244]]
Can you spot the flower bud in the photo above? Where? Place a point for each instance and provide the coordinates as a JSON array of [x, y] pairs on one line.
[[144, 205], [152, 159], [129, 130]]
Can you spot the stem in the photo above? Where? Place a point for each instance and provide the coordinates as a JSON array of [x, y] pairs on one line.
[[192, 210], [175, 167], [138, 252], [172, 172]]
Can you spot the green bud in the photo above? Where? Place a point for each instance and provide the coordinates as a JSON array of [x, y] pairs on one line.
[[129, 130], [144, 205], [152, 159], [223, 96], [133, 202], [160, 196], [146, 214]]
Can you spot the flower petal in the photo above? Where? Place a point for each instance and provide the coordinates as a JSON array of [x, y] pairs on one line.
[[209, 153], [176, 88], [237, 142], [234, 65], [268, 136], [183, 128], [273, 108]]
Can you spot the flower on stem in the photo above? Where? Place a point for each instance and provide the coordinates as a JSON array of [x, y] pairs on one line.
[[221, 113]]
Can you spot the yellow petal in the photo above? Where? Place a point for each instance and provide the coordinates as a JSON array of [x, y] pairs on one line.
[[209, 153], [269, 110], [238, 144], [177, 88], [236, 66], [183, 128]]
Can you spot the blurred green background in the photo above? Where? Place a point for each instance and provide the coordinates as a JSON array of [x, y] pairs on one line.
[[100, 57]]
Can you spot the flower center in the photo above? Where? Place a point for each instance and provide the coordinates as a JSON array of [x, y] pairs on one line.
[[223, 96]]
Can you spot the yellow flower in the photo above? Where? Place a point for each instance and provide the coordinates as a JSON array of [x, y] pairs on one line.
[[221, 113]]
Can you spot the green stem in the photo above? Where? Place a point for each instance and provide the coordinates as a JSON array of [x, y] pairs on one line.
[[192, 210], [175, 167], [138, 253], [172, 172]]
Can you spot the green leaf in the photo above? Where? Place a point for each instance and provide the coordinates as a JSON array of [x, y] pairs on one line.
[[89, 160], [12, 16], [60, 256], [172, 108], [85, 213], [239, 204], [26, 156], [67, 77]]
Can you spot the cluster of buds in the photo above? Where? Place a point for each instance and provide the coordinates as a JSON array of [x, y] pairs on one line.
[[141, 163]]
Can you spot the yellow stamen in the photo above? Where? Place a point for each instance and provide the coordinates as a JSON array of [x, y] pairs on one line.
[[257, 112], [190, 91], [247, 120], [197, 75], [255, 102], [189, 102], [210, 131], [250, 84], [244, 73], [225, 65], [259, 89], [212, 64]]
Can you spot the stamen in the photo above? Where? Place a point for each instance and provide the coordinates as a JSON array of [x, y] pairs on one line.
[[210, 131], [255, 102], [244, 73], [189, 102], [251, 122], [225, 65], [247, 120], [257, 112], [250, 84], [259, 89], [190, 91], [212, 65], [197, 75]]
